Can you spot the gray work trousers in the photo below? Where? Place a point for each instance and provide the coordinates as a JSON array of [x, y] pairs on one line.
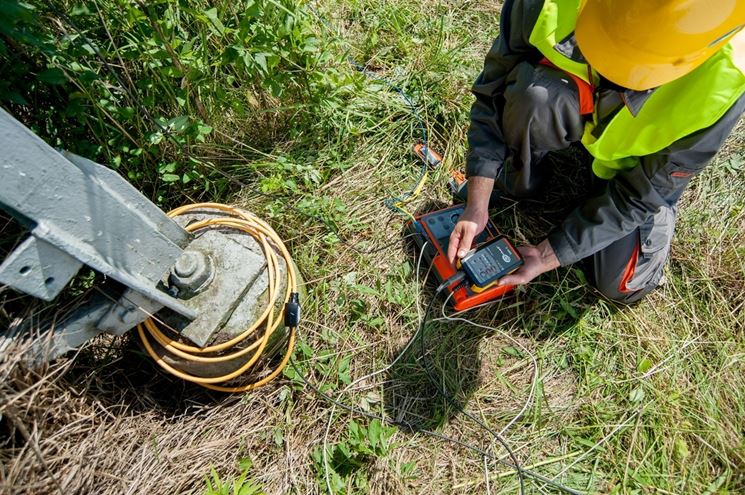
[[541, 114]]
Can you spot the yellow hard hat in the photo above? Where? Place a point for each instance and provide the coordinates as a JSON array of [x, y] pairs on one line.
[[642, 44]]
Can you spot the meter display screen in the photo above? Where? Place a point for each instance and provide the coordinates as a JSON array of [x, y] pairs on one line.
[[491, 261]]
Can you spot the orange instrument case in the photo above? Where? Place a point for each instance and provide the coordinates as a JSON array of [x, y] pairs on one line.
[[433, 235]]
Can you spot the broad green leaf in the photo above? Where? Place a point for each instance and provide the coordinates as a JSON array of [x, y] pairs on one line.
[[52, 76], [260, 59], [637, 395], [216, 23], [644, 365], [374, 433], [681, 449], [244, 463]]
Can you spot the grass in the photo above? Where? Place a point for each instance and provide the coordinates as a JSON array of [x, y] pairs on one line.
[[645, 399]]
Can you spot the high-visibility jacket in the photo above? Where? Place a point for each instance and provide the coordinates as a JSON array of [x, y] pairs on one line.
[[672, 111]]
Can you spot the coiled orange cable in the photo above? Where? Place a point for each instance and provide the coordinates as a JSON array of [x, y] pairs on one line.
[[270, 243]]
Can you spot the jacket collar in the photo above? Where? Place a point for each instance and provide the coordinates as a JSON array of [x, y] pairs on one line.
[[635, 100], [632, 99]]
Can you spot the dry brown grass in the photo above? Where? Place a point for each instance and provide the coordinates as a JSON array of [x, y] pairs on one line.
[[105, 421]]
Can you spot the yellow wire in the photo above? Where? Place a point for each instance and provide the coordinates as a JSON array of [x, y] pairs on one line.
[[270, 242], [419, 186], [417, 190]]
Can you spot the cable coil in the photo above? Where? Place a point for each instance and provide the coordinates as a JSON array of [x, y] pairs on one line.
[[270, 243]]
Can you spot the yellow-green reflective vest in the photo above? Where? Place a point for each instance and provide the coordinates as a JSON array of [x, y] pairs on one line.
[[674, 110]]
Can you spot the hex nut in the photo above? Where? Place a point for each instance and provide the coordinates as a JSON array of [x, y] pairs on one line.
[[192, 271]]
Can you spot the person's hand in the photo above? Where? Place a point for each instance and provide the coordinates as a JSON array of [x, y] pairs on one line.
[[538, 259], [470, 224]]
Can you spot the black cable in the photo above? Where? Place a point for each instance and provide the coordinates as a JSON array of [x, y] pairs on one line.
[[409, 426], [390, 203], [456, 279], [397, 422], [515, 464], [449, 398]]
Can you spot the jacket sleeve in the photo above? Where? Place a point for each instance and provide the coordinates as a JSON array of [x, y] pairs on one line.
[[632, 196], [485, 139]]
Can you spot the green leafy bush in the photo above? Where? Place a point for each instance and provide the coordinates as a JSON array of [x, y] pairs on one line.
[[155, 89]]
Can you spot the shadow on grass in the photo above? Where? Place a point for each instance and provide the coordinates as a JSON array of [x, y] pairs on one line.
[[457, 357], [114, 373], [121, 374], [447, 361]]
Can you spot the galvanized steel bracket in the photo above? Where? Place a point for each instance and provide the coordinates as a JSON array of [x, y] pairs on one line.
[[208, 287]]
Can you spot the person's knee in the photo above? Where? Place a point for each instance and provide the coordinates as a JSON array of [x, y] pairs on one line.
[[633, 266], [609, 286], [526, 105]]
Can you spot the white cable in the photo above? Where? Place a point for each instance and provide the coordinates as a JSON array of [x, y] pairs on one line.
[[411, 340], [325, 450], [487, 475], [534, 383]]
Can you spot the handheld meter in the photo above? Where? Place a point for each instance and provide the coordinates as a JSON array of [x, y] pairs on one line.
[[489, 262], [431, 234]]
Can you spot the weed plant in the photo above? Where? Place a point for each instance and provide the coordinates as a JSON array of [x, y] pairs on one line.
[[157, 89]]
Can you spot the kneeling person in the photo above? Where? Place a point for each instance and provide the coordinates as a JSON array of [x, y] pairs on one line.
[[650, 88]]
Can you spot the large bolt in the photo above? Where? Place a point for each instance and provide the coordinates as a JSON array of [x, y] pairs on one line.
[[186, 265], [192, 271]]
